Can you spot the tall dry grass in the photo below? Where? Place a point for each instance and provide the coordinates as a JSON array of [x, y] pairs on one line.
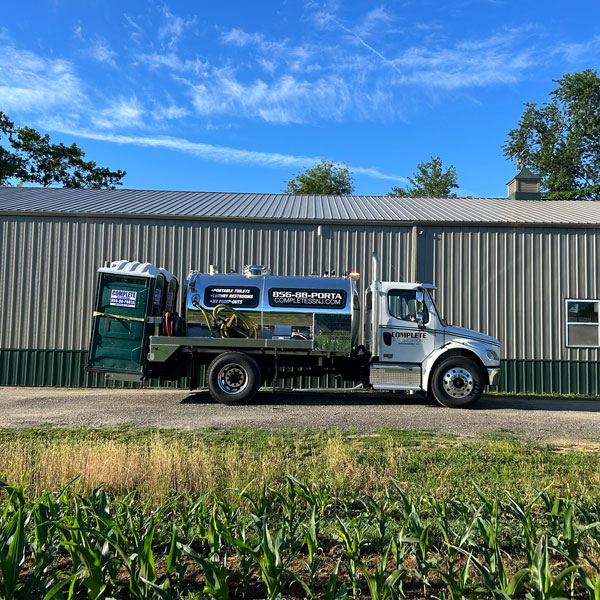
[[158, 465]]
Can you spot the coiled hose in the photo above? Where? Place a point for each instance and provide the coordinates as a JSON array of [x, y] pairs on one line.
[[227, 321]]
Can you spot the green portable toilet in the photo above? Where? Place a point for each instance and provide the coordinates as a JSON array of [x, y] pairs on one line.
[[128, 295]]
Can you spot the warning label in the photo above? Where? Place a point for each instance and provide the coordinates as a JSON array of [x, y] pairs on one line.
[[122, 298], [240, 297]]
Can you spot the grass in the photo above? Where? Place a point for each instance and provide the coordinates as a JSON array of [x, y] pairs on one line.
[[158, 463], [389, 514]]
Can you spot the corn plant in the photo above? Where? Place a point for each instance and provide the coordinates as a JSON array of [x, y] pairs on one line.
[[13, 543], [523, 513], [352, 535], [269, 557], [453, 536], [457, 581], [406, 503], [214, 537], [215, 576], [380, 586], [544, 585], [291, 515], [332, 592], [315, 495], [311, 540], [382, 514], [400, 545], [426, 562]]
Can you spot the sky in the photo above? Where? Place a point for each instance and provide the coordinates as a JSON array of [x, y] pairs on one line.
[[240, 96]]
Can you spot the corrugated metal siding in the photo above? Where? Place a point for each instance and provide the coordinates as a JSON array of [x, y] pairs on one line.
[[512, 283], [48, 265], [505, 281]]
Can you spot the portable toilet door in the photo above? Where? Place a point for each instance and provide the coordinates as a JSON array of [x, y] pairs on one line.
[[127, 294]]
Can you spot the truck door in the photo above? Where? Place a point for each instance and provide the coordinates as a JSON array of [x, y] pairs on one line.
[[402, 338]]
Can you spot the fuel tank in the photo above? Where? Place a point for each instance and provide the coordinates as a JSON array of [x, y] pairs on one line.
[[322, 309]]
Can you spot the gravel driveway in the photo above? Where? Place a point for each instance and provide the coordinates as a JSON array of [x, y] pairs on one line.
[[564, 421]]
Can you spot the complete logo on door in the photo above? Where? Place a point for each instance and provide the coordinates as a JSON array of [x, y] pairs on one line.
[[406, 338], [409, 334]]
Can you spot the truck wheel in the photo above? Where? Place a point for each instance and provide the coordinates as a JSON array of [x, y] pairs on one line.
[[456, 382], [233, 378]]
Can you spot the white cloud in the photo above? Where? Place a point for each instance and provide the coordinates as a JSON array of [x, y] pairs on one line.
[[467, 64], [136, 30], [101, 51], [373, 20], [575, 51], [169, 111], [29, 82], [171, 60], [223, 154], [285, 99], [241, 38], [122, 112], [173, 28]]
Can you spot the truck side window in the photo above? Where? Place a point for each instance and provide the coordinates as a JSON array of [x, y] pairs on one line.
[[402, 305]]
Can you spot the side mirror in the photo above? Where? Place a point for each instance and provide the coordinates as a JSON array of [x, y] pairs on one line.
[[420, 300]]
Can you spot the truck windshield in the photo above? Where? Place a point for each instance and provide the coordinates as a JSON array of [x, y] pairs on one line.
[[437, 310]]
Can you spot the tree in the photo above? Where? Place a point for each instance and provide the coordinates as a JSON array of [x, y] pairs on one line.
[[560, 140], [430, 181], [325, 177], [30, 158]]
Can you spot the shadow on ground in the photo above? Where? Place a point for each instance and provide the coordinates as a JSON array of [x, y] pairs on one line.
[[317, 398]]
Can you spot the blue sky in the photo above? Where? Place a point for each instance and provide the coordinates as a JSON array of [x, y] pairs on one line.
[[239, 96]]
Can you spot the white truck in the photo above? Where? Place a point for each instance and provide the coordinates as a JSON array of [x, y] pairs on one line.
[[252, 327]]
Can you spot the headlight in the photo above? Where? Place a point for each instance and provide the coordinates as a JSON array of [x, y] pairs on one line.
[[491, 355]]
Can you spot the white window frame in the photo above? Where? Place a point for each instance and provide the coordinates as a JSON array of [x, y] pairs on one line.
[[597, 325]]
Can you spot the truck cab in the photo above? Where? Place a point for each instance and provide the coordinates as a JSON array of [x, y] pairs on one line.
[[412, 348]]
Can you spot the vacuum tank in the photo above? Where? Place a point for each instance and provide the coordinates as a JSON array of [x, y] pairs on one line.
[[324, 310]]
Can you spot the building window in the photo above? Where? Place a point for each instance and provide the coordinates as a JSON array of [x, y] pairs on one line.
[[583, 327]]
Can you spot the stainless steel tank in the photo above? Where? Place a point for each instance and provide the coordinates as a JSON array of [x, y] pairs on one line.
[[322, 309]]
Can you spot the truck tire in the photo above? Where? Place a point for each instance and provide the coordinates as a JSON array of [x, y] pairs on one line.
[[456, 382], [233, 378]]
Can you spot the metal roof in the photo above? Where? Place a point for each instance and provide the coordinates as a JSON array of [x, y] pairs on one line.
[[270, 207]]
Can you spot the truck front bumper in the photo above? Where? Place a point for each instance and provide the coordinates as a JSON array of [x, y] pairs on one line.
[[493, 375]]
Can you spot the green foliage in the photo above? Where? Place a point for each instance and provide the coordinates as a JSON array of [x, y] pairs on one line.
[[560, 140], [98, 547], [324, 177], [431, 180], [30, 157]]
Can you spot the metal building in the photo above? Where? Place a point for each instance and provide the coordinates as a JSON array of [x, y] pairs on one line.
[[524, 271]]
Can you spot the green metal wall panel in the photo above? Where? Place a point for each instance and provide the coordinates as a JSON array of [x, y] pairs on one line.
[[64, 368]]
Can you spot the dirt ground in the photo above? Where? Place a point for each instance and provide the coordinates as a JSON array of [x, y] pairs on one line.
[[551, 420]]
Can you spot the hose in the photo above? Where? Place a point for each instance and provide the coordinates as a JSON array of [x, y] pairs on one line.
[[227, 320], [168, 318]]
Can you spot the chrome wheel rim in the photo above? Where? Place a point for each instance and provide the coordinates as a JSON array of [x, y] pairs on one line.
[[232, 379], [458, 382]]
